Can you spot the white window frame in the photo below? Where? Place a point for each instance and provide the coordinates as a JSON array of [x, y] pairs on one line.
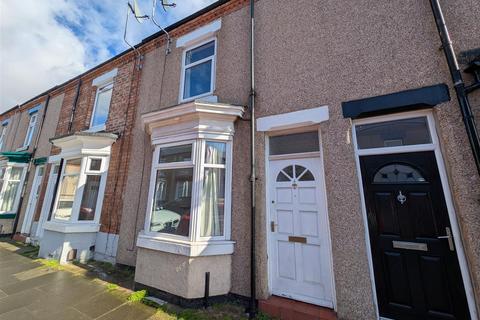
[[8, 167], [213, 58], [31, 129], [3, 135], [436, 148], [84, 171], [104, 87], [198, 165]]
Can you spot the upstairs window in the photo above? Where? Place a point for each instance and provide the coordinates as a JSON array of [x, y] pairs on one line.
[[198, 71], [101, 107], [31, 129], [3, 133]]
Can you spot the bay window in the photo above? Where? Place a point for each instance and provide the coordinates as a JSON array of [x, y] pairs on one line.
[[68, 189], [185, 185], [189, 196], [11, 178], [80, 190]]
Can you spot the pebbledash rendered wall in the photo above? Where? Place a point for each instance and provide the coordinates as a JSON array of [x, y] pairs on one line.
[[310, 54], [328, 52]]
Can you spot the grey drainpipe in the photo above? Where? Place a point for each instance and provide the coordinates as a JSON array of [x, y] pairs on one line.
[[253, 178], [457, 82], [25, 181], [74, 105]]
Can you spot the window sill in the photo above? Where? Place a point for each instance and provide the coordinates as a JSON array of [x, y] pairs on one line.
[[69, 227], [22, 148], [206, 97], [184, 247], [96, 129]]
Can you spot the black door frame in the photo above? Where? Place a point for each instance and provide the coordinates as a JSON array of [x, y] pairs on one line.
[[434, 147]]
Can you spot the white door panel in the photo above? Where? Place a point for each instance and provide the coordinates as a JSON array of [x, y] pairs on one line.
[[300, 262]]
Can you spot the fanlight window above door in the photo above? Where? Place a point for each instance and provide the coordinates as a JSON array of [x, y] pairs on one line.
[[295, 172], [398, 173]]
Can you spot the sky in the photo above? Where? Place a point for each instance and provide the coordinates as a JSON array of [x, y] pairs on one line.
[[46, 42]]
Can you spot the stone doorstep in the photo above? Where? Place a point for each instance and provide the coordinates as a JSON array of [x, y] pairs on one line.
[[287, 309], [20, 237]]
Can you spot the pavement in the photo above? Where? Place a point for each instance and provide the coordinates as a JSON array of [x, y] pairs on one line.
[[29, 290]]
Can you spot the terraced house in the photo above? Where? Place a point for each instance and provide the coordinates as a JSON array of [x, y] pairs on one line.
[[317, 159]]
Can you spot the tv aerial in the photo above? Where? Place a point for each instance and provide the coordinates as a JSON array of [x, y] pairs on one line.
[[134, 9]]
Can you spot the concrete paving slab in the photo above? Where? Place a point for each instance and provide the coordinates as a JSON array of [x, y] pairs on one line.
[[19, 300], [31, 291], [29, 284], [129, 311], [18, 314], [100, 304], [67, 314]]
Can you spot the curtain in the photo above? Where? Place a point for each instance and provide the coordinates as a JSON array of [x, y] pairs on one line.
[[213, 192], [9, 196]]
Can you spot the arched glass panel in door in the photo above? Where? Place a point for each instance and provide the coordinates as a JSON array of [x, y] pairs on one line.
[[295, 172], [398, 173]]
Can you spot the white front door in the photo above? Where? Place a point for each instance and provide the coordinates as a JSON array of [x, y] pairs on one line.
[[32, 200], [300, 255]]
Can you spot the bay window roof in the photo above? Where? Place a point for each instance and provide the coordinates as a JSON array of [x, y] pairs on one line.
[[189, 202], [84, 143], [195, 119]]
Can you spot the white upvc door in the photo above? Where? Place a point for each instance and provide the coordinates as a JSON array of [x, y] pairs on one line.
[[32, 200], [300, 254], [47, 200]]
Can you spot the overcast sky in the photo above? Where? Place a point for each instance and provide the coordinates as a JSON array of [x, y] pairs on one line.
[[46, 42]]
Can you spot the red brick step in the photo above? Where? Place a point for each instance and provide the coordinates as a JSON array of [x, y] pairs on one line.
[[287, 309]]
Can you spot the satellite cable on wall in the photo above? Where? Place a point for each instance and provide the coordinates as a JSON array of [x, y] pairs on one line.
[[165, 5], [135, 10]]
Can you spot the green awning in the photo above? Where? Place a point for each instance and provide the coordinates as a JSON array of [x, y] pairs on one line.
[[17, 156], [39, 161], [7, 215]]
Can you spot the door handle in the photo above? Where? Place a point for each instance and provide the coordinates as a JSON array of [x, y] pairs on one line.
[[449, 237], [272, 226]]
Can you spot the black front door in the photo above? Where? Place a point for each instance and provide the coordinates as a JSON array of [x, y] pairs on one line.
[[417, 274]]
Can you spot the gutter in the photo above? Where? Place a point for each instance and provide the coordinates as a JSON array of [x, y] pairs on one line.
[[253, 178], [458, 83]]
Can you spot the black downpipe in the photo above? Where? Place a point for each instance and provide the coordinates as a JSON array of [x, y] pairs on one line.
[[25, 181], [74, 105], [457, 82], [253, 178], [206, 295]]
